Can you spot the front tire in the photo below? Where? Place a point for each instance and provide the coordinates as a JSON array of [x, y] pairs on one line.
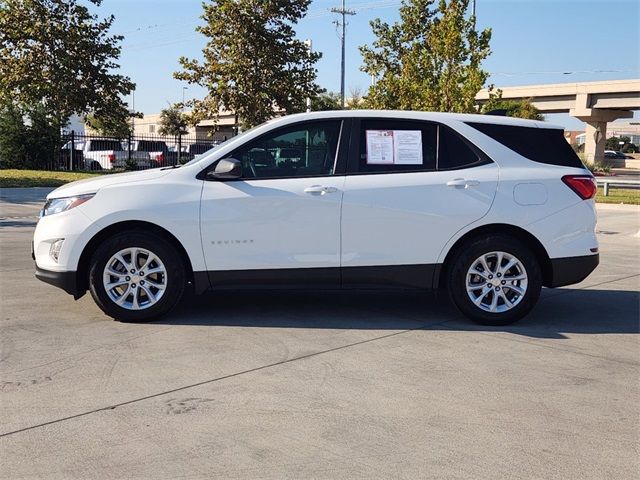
[[495, 280], [136, 276]]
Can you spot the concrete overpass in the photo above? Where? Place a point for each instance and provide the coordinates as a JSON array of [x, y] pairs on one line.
[[595, 103]]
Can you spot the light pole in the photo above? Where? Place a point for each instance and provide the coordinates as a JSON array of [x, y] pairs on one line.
[[344, 12]]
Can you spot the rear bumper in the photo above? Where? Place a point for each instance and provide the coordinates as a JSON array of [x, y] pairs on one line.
[[570, 270], [67, 281]]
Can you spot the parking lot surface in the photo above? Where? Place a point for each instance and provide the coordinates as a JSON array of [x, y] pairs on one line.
[[321, 385]]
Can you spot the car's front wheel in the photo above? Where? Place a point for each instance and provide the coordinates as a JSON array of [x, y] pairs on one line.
[[136, 276], [495, 280]]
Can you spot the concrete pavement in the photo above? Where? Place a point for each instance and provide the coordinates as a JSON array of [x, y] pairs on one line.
[[320, 385]]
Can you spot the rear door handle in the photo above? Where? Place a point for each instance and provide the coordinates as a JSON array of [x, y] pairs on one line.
[[461, 182], [320, 189]]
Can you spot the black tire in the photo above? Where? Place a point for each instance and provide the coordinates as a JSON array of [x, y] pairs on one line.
[[473, 250], [162, 249]]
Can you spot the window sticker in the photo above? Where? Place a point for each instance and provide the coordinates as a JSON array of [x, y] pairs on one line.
[[380, 147], [389, 147], [407, 147]]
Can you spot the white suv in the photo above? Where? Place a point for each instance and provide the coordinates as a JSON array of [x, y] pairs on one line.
[[490, 208]]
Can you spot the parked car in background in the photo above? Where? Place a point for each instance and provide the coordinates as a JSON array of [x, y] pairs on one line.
[[108, 154], [67, 156], [184, 155], [156, 151], [199, 148], [489, 208], [615, 155]]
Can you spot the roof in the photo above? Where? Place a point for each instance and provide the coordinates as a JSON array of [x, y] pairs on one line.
[[414, 115]]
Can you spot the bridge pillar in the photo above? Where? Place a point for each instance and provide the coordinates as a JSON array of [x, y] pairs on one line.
[[595, 140], [596, 131]]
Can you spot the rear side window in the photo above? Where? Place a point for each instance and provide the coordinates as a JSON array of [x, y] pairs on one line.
[[397, 146], [151, 146], [102, 145], [455, 153], [543, 145]]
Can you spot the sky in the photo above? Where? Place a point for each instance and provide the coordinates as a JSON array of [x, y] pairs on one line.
[[533, 42]]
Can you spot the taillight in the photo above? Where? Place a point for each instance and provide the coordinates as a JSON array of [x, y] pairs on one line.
[[112, 157], [160, 158], [583, 185]]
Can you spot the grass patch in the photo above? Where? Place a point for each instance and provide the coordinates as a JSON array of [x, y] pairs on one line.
[[619, 195], [39, 178]]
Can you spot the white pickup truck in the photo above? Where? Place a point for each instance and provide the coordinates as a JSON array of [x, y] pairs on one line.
[[107, 154]]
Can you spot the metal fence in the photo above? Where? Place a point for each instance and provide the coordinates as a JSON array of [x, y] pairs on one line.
[[135, 152]]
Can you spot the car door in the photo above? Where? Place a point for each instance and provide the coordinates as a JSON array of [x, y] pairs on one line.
[[279, 223], [411, 185]]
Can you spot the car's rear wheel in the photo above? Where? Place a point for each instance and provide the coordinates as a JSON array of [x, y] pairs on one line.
[[495, 280], [136, 276]]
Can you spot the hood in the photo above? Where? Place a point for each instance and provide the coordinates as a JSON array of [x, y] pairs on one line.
[[92, 185]]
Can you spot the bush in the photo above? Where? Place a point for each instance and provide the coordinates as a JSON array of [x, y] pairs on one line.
[[598, 167]]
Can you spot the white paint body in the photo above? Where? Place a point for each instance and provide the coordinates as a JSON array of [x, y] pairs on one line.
[[365, 220]]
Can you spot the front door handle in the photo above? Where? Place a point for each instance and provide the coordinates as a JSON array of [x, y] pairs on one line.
[[461, 182], [320, 189]]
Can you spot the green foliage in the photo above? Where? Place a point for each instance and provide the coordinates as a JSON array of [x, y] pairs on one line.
[[253, 64], [56, 55], [172, 122], [429, 60], [326, 101], [27, 139], [614, 143], [13, 137], [513, 108], [598, 167], [116, 125]]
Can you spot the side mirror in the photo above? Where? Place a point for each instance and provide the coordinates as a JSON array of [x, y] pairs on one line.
[[226, 169]]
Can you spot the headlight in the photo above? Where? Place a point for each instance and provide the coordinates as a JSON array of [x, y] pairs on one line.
[[58, 205]]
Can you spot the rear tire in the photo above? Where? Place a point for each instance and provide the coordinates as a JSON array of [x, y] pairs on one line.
[[136, 276], [495, 280]]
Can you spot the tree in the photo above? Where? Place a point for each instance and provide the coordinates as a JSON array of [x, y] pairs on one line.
[[253, 64], [429, 60], [356, 101], [172, 122], [13, 137], [326, 101], [512, 108], [58, 57], [27, 139], [117, 125]]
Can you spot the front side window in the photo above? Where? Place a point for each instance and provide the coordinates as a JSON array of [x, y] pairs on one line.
[[388, 145], [303, 150]]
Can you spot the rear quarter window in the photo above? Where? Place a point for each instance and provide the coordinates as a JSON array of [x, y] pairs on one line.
[[542, 145]]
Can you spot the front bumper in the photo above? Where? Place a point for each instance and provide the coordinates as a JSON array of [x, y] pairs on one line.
[[67, 281], [570, 270]]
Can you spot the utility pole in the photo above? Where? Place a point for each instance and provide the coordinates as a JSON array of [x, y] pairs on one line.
[[344, 12]]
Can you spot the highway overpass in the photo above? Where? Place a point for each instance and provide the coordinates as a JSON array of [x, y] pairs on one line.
[[595, 103]]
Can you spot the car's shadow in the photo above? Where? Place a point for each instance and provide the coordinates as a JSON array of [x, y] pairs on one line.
[[559, 312]]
